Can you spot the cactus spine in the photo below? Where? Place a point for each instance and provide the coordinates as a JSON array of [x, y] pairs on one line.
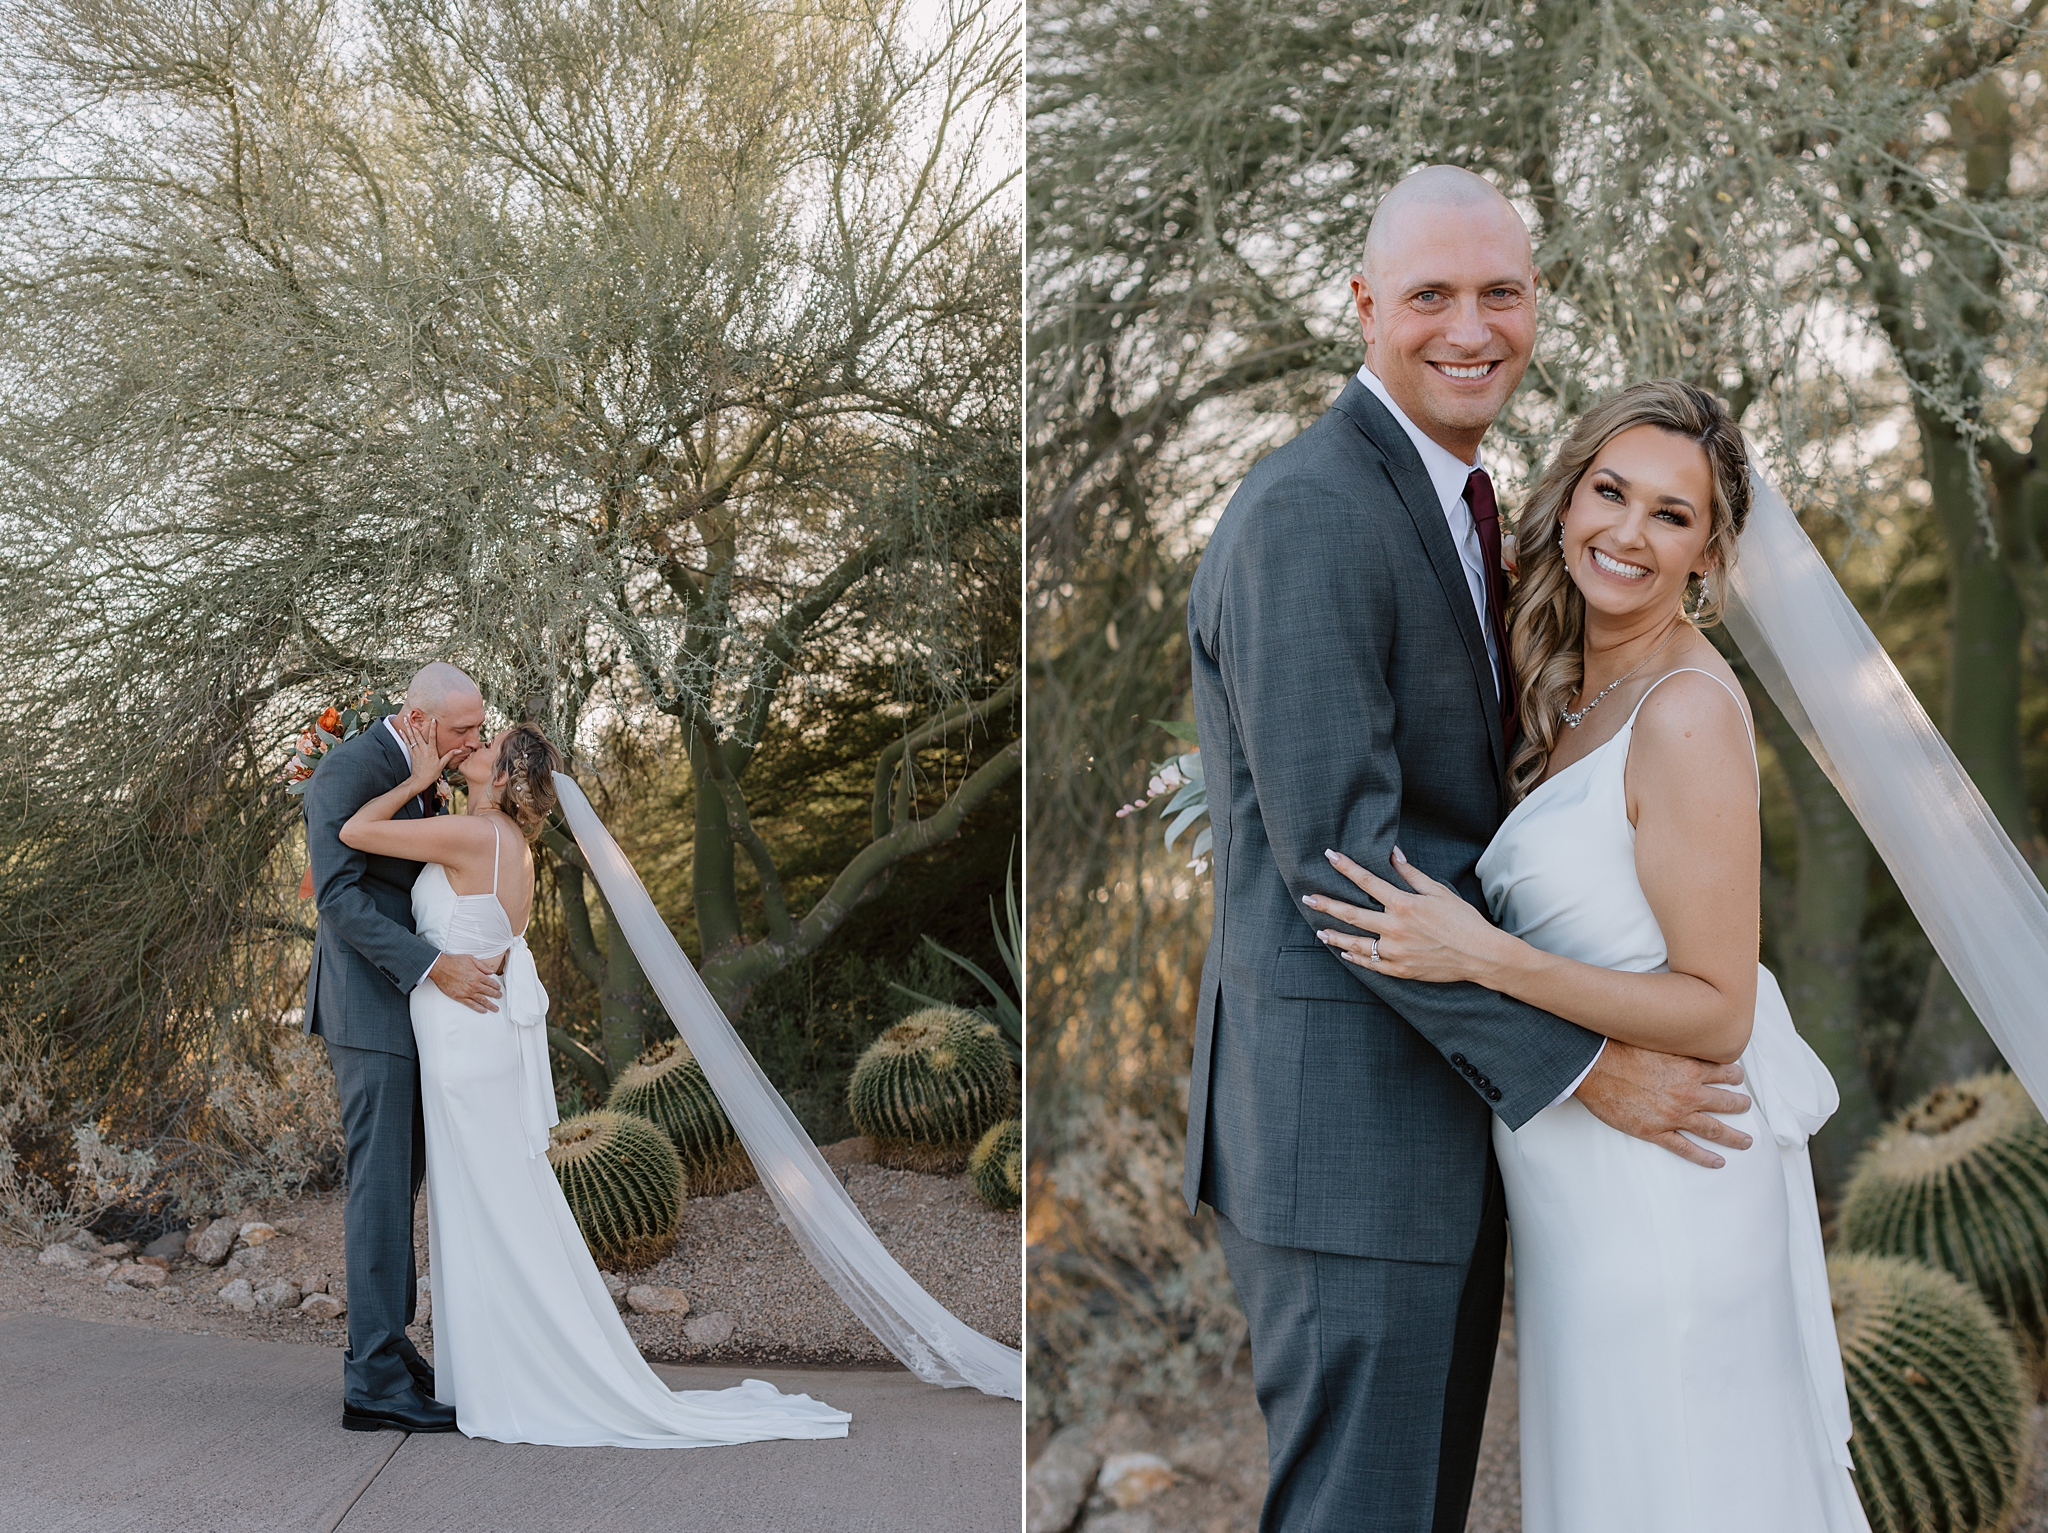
[[666, 1086], [930, 1086], [1937, 1402], [997, 1166], [624, 1184], [1960, 1181]]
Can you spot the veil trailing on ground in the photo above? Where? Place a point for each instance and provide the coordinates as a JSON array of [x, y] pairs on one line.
[[922, 1333], [1976, 898]]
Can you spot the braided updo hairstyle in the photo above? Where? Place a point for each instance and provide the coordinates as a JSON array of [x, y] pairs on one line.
[[525, 779]]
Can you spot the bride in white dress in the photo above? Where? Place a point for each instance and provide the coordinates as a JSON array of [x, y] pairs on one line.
[[1676, 1347], [529, 1346]]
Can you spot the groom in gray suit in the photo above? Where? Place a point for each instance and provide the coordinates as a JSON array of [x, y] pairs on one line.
[[1352, 692], [366, 960]]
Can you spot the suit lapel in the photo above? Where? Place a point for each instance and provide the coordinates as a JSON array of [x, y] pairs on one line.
[[401, 768], [1418, 495]]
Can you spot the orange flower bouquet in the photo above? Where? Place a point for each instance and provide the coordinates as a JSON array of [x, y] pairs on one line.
[[333, 724]]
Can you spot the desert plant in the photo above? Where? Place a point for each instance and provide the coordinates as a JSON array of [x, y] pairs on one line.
[[1960, 1180], [1937, 1401], [624, 1183], [930, 1086], [997, 1165], [1002, 1009], [666, 1086]]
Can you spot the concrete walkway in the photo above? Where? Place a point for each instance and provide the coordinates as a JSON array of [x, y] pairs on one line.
[[106, 1429]]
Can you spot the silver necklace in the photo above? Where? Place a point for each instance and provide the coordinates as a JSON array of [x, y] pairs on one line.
[[1573, 720]]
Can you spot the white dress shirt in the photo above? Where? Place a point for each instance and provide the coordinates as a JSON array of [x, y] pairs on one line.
[[406, 751], [1447, 475]]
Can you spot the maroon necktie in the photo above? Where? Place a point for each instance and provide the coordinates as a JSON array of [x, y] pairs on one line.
[[1486, 517]]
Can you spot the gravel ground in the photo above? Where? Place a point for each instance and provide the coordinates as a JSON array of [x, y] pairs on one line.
[[734, 1258], [1218, 1453]]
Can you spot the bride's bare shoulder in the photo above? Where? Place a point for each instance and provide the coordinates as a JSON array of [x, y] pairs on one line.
[[1697, 713]]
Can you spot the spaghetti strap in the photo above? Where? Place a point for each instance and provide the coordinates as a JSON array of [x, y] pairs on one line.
[[494, 858], [1739, 713]]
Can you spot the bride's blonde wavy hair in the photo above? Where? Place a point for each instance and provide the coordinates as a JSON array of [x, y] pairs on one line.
[[525, 779], [1546, 613]]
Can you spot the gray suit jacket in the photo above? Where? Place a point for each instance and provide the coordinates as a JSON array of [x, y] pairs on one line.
[[366, 958], [1344, 699]]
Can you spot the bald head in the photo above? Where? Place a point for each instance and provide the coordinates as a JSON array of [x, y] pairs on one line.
[[437, 684], [1433, 195], [1447, 303]]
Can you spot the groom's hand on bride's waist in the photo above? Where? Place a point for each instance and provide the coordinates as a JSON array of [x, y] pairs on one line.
[[461, 978], [1664, 1097]]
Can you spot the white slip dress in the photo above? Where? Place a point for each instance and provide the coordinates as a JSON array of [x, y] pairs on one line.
[[1674, 1336], [528, 1344]]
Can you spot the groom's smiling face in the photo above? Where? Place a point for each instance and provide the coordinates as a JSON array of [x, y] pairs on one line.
[[1448, 305]]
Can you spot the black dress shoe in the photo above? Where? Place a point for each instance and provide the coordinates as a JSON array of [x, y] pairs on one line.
[[398, 1414], [422, 1375]]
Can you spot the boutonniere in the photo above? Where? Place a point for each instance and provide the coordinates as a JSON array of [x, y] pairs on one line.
[[330, 726]]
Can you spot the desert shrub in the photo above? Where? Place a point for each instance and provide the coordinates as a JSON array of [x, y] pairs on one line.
[[1129, 1300]]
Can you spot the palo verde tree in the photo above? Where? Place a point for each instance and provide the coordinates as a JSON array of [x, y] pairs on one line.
[[647, 361]]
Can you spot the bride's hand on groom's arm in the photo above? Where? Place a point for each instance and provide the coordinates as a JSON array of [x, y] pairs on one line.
[[1663, 1097], [1426, 932]]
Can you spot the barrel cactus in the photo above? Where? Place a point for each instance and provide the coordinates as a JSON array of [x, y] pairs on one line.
[[666, 1086], [624, 1184], [1938, 1405], [997, 1165], [930, 1086], [1960, 1180]]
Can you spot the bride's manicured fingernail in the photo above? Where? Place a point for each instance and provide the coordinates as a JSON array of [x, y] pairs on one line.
[[1332, 856], [1323, 937], [1309, 900], [1397, 855]]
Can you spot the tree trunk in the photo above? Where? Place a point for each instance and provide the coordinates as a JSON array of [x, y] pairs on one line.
[[1986, 626], [713, 872], [1818, 946], [623, 1018]]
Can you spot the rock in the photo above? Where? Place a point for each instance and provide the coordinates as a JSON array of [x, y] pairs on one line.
[[615, 1286], [211, 1245], [106, 1269], [423, 1292], [244, 1258], [1201, 1456], [118, 1249], [1059, 1482], [136, 1275], [67, 1256], [85, 1240], [256, 1232], [857, 1151], [1131, 1478], [647, 1299], [239, 1295], [1120, 1522], [312, 1282], [161, 1263], [167, 1247], [280, 1293], [322, 1306], [712, 1330]]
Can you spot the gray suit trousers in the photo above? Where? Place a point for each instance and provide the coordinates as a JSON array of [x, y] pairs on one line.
[[1373, 1376], [381, 1115]]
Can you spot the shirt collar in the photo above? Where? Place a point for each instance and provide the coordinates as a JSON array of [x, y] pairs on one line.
[[1442, 465]]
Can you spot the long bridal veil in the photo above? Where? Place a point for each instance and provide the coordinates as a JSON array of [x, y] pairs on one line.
[[920, 1331], [1976, 898]]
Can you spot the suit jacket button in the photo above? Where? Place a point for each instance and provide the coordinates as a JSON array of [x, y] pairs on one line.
[[1471, 1072], [1484, 1083], [1458, 1060], [1493, 1095]]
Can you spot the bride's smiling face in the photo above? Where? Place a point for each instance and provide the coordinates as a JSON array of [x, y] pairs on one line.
[[1637, 525]]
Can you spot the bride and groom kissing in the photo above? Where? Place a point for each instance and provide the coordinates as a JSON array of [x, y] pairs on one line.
[[425, 994], [1384, 1081]]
